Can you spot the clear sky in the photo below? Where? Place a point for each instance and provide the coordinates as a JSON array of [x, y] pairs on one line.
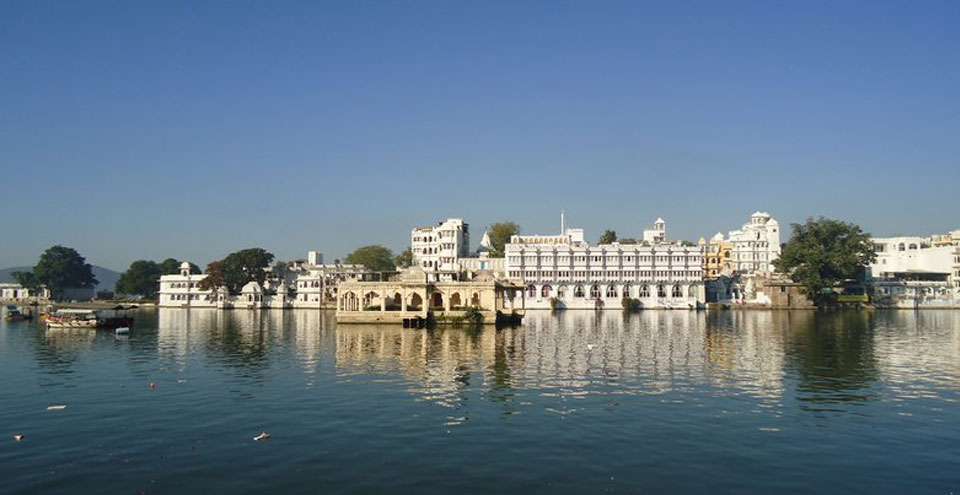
[[192, 129]]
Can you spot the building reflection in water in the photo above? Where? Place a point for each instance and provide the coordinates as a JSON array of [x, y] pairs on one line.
[[576, 353], [826, 362]]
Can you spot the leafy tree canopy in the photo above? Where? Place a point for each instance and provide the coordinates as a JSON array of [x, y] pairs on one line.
[[376, 258], [823, 253], [214, 278], [404, 259], [244, 266], [608, 237], [142, 278], [61, 268], [171, 266], [500, 234], [26, 280]]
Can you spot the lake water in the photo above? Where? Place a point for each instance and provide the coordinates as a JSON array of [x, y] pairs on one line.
[[579, 402]]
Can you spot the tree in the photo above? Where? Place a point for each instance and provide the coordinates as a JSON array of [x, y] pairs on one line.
[[628, 240], [823, 253], [214, 278], [608, 237], [687, 243], [500, 234], [376, 258], [244, 266], [61, 268], [26, 280], [404, 259], [142, 278], [171, 266]]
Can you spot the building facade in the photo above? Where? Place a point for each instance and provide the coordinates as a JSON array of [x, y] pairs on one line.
[[756, 245], [564, 271], [316, 284], [183, 290], [914, 271], [18, 293], [437, 248], [410, 294], [717, 256]]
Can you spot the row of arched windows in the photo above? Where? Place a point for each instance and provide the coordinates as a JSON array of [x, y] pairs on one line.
[[611, 291]]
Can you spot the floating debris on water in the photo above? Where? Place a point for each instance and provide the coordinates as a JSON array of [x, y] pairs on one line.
[[19, 437], [57, 407], [262, 436]]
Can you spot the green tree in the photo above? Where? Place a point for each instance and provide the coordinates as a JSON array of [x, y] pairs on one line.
[[500, 234], [404, 259], [244, 266], [26, 280], [376, 258], [822, 253], [61, 268], [171, 266], [142, 278], [687, 243], [628, 240], [608, 237]]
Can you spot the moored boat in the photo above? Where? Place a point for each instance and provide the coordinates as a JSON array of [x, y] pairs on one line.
[[14, 314], [85, 318]]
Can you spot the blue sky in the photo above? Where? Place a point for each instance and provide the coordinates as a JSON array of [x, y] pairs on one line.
[[192, 129]]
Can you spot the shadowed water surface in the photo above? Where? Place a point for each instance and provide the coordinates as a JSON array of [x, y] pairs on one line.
[[579, 402]]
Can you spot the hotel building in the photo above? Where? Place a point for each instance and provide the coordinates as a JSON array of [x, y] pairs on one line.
[[565, 271], [316, 284], [183, 291], [437, 248], [756, 245]]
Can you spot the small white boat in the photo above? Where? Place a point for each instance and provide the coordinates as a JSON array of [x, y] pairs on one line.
[[122, 330]]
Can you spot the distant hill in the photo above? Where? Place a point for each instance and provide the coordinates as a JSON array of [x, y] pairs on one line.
[[107, 278]]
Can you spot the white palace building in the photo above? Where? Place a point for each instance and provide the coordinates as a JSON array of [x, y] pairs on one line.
[[564, 271]]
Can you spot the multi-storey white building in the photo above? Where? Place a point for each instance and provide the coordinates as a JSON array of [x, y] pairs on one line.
[[436, 249], [316, 284], [183, 291], [756, 245], [565, 271], [913, 271], [656, 235]]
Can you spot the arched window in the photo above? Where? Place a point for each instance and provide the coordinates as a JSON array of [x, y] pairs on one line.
[[475, 300], [693, 291], [626, 290], [644, 291], [578, 291], [545, 291], [415, 302], [901, 247], [677, 291], [531, 291], [561, 292], [611, 291], [913, 247], [594, 291], [661, 291]]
